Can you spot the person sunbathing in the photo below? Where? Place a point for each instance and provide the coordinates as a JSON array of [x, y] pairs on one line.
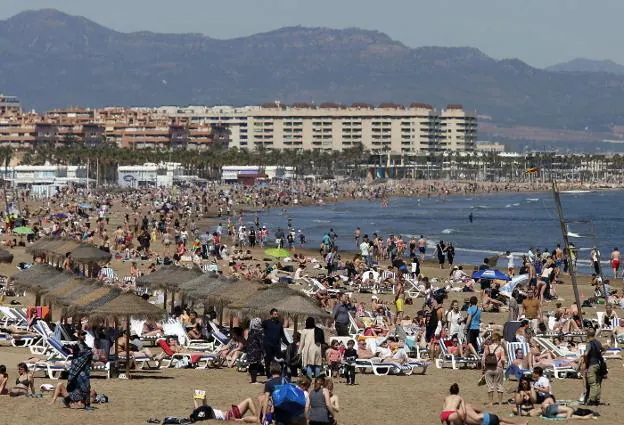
[[25, 381], [476, 416], [520, 364], [233, 349], [564, 324], [151, 328], [454, 409], [489, 304], [236, 412], [552, 410]]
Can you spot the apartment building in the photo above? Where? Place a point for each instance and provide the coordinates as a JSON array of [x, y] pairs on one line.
[[387, 128], [9, 105]]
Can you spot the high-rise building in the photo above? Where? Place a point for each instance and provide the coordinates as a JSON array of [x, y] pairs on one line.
[[386, 128]]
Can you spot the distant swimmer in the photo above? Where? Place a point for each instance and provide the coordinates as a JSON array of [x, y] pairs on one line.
[[470, 217]]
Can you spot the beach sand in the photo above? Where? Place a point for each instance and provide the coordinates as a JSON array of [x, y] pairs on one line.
[[412, 399], [375, 400]]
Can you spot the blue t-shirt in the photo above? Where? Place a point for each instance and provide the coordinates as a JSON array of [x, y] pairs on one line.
[[475, 323]]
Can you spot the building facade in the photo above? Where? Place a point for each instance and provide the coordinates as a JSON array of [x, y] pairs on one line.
[[386, 128]]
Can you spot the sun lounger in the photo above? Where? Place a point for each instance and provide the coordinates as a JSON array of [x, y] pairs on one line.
[[201, 360], [173, 327], [455, 361], [510, 350]]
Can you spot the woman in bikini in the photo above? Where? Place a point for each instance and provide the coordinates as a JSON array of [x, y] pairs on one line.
[[24, 382], [454, 410]]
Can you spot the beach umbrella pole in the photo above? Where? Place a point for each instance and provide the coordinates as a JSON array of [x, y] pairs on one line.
[[128, 346], [116, 348], [165, 300], [172, 301]]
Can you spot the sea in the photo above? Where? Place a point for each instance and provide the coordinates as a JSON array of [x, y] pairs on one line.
[[501, 222]]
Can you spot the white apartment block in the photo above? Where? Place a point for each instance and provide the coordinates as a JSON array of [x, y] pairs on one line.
[[392, 128]]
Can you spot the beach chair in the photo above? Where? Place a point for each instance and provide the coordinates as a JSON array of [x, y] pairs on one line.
[[354, 328], [377, 367], [510, 351], [136, 327], [414, 290], [601, 327], [547, 344], [201, 360], [456, 362], [219, 339], [175, 328]]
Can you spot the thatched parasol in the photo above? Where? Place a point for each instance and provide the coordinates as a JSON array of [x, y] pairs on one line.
[[286, 300], [169, 278], [54, 249], [40, 279], [127, 305], [90, 254], [5, 256]]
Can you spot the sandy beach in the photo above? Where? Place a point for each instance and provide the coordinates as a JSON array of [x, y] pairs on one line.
[[412, 399]]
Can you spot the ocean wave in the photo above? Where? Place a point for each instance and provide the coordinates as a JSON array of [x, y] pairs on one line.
[[532, 199], [448, 231], [321, 221], [574, 235]]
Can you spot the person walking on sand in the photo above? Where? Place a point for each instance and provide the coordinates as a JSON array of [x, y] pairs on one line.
[[615, 262]]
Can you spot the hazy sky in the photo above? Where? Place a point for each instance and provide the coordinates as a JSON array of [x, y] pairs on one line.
[[540, 32]]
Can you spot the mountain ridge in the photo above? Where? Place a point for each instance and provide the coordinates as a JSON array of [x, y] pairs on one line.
[[50, 59], [588, 65]]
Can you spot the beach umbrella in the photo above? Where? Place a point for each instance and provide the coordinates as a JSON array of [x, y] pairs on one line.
[[286, 300], [23, 230], [490, 274], [277, 252], [509, 287], [169, 278], [5, 256], [60, 216], [126, 305], [86, 253]]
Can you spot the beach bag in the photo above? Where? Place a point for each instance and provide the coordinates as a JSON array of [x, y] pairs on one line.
[[289, 398]]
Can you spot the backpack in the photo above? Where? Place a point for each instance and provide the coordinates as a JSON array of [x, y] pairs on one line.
[[491, 359], [289, 398]]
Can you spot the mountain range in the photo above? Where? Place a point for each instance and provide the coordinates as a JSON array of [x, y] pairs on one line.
[[50, 59], [588, 65]]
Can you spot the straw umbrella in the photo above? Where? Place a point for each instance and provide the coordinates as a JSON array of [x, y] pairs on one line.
[[39, 279], [90, 255], [126, 305], [285, 299], [5, 256], [169, 278]]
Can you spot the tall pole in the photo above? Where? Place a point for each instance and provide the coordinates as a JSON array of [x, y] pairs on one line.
[[564, 233]]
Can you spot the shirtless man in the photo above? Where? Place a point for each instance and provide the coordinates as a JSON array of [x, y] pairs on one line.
[[615, 261], [476, 416], [422, 247], [454, 410]]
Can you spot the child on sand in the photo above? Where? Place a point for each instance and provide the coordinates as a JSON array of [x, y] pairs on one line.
[[454, 410]]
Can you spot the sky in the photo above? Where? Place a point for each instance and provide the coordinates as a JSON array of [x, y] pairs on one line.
[[539, 32]]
